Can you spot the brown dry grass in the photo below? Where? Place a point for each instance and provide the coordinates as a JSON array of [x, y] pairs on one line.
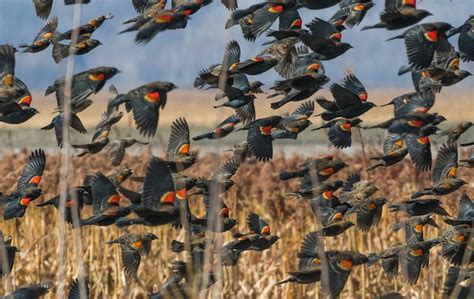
[[196, 106], [257, 189]]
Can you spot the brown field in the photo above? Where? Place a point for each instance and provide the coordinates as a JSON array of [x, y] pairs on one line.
[[196, 106], [257, 189]]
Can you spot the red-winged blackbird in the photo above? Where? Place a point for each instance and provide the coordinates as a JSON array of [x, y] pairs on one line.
[[83, 45], [237, 15], [334, 229], [399, 14], [259, 137], [179, 157], [455, 242], [295, 123], [351, 12], [265, 16], [212, 75], [311, 4], [419, 207], [325, 213], [12, 89], [217, 216], [394, 152], [159, 199], [145, 102], [84, 30], [259, 238], [32, 291], [317, 170], [350, 100], [413, 227], [340, 131], [419, 147], [412, 102], [15, 204], [242, 103], [465, 212], [444, 173], [409, 258], [220, 180], [44, 38], [421, 42], [222, 130], [74, 202], [83, 85], [324, 38], [466, 39], [7, 255], [254, 66], [133, 246], [43, 8]]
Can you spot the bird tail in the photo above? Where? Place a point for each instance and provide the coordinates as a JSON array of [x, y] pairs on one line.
[[203, 136], [47, 203], [112, 242], [327, 116], [419, 194], [396, 37], [284, 176], [277, 105], [372, 259], [231, 22], [403, 70], [289, 279], [177, 246], [48, 127], [376, 165], [394, 207], [378, 25], [49, 90]]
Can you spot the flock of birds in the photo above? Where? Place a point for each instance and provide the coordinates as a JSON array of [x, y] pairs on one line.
[[297, 55]]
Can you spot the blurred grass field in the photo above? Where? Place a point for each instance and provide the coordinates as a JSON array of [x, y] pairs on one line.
[[257, 189]]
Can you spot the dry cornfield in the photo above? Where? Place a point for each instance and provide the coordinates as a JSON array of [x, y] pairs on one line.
[[258, 189]]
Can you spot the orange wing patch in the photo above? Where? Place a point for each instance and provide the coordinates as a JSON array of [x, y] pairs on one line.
[[265, 230], [114, 199], [363, 96], [168, 197], [417, 252], [137, 244], [35, 180], [432, 36], [327, 171], [346, 264], [184, 149], [153, 97], [182, 194], [25, 201], [419, 228], [25, 101], [452, 172], [276, 9], [97, 77], [266, 130]]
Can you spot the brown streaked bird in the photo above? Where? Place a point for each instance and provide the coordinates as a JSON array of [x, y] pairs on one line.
[[368, 212], [399, 14], [295, 123], [456, 131], [117, 147], [12, 89], [444, 172], [421, 42], [414, 226], [15, 204], [44, 38], [133, 247], [356, 190]]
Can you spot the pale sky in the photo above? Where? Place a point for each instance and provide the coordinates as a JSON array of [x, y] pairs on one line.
[[178, 55]]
